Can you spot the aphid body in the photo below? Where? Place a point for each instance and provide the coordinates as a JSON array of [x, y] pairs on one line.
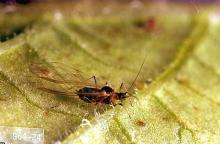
[[105, 95]]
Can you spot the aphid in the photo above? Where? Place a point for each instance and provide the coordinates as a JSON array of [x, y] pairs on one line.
[[89, 94]]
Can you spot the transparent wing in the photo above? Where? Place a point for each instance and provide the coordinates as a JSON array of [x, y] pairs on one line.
[[66, 79], [57, 92]]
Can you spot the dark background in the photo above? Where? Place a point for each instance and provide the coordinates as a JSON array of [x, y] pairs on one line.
[[8, 2]]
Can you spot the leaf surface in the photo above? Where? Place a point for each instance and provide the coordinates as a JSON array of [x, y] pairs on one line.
[[180, 106]]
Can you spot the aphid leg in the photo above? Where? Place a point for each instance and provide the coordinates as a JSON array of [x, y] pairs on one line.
[[97, 105], [120, 104], [117, 102], [95, 81], [113, 104], [122, 84], [113, 101]]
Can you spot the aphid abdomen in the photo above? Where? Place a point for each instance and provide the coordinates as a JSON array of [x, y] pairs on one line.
[[89, 94]]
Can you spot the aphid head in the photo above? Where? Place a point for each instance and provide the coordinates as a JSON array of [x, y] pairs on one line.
[[122, 95]]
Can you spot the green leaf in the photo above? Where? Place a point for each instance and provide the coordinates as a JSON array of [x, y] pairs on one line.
[[168, 109], [180, 106]]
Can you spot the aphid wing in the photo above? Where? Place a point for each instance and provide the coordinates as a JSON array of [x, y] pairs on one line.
[[57, 92], [59, 73], [67, 70], [59, 77], [52, 73], [48, 72]]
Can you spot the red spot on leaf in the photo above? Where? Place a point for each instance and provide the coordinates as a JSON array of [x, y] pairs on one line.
[[140, 123]]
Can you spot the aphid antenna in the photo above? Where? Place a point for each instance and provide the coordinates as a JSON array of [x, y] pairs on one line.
[[141, 67], [130, 95]]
